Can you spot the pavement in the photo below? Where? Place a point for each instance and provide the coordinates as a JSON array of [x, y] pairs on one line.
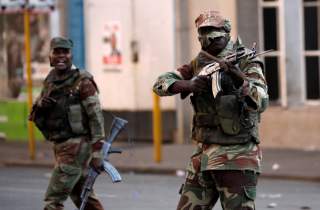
[[294, 164]]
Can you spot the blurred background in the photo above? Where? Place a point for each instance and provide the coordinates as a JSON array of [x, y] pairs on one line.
[[126, 44]]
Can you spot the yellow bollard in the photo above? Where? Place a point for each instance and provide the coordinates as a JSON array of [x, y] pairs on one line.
[[157, 129], [29, 81]]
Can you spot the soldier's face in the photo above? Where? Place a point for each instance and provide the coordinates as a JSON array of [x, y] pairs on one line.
[[213, 40], [61, 59]]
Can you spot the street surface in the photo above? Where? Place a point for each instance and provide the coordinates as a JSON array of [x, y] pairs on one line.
[[23, 188]]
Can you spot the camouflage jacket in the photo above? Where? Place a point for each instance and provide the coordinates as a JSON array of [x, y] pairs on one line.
[[235, 156], [77, 112]]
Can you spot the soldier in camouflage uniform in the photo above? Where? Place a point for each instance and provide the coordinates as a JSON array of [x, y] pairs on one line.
[[227, 160], [68, 114]]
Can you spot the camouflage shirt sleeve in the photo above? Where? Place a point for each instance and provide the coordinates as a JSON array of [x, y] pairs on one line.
[[255, 90], [90, 101], [164, 81]]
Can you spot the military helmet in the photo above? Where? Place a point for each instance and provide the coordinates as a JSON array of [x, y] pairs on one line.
[[213, 18]]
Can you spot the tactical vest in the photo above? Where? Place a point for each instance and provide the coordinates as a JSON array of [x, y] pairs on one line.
[[67, 118], [222, 119]]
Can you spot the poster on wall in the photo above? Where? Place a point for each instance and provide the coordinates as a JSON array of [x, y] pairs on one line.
[[112, 49]]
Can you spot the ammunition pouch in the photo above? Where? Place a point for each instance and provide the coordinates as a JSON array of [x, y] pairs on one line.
[[75, 118], [230, 124], [228, 112]]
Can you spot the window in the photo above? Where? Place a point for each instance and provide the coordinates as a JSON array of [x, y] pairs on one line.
[[270, 40], [312, 51]]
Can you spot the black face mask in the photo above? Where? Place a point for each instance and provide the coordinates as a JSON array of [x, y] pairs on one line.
[[216, 45], [213, 40]]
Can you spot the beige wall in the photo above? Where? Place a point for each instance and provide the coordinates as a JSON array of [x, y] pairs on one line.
[[129, 86], [297, 128]]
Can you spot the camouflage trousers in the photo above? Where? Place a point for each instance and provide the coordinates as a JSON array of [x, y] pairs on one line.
[[235, 188], [68, 176]]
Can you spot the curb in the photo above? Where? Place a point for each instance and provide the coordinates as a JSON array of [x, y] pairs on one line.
[[154, 170]]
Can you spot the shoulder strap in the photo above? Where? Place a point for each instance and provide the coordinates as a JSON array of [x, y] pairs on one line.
[[83, 74]]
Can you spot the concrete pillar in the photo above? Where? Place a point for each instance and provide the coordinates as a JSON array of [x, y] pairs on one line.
[[183, 55], [294, 58], [248, 21]]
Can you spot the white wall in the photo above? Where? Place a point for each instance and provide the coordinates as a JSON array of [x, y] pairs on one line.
[[151, 23]]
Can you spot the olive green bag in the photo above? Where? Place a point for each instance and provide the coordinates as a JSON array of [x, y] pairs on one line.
[[227, 107]]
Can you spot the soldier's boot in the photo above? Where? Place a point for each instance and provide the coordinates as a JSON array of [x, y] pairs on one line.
[[195, 197]]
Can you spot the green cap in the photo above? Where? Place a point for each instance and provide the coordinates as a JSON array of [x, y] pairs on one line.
[[61, 42]]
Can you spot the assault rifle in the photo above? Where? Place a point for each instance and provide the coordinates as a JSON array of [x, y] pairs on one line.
[[233, 59], [218, 64], [117, 125]]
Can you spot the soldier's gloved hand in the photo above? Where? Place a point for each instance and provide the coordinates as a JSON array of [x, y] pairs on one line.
[[46, 102], [232, 70], [96, 163], [195, 85], [200, 84], [227, 84]]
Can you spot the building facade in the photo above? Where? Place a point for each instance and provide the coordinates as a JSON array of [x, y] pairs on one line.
[[127, 43]]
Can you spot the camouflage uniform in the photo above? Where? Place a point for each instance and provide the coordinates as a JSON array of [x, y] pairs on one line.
[[226, 161], [75, 126]]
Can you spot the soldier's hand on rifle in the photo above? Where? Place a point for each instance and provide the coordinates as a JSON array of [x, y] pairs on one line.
[[96, 163], [200, 84], [235, 73], [195, 85], [46, 102]]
